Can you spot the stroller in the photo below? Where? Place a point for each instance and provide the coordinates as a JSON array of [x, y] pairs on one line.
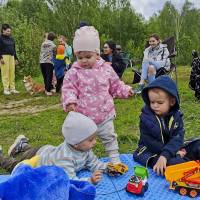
[[125, 57], [162, 71], [194, 82]]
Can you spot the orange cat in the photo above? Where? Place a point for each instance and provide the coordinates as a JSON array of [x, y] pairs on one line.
[[32, 87]]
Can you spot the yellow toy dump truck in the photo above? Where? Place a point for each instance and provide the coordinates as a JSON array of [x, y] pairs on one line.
[[185, 178], [116, 169]]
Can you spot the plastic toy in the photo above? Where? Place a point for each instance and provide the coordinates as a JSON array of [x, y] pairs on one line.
[[184, 178], [117, 169], [138, 184]]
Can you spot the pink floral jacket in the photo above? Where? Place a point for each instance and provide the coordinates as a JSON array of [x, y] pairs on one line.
[[92, 90]]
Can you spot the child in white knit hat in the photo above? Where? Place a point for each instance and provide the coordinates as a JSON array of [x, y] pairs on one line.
[[73, 155], [90, 86]]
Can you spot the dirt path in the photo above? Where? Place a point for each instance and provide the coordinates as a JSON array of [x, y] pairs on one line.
[[19, 107], [15, 104]]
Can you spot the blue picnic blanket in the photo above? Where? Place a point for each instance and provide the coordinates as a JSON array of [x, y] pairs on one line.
[[113, 188]]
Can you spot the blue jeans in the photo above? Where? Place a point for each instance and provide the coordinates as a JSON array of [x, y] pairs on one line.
[[145, 66]]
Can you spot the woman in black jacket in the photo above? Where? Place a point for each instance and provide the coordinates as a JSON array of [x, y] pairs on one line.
[[8, 60], [112, 57]]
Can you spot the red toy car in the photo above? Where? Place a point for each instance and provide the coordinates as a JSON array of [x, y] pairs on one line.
[[138, 183], [136, 186]]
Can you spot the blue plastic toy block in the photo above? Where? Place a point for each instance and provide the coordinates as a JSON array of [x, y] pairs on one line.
[[113, 188]]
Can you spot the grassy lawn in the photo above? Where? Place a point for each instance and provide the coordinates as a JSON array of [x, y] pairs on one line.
[[41, 121]]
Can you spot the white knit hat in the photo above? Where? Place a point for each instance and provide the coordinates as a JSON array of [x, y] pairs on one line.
[[86, 39], [77, 127]]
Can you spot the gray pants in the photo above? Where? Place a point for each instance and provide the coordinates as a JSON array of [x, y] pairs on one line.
[[108, 136], [8, 163]]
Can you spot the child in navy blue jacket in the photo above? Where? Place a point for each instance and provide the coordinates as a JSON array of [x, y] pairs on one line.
[[162, 130]]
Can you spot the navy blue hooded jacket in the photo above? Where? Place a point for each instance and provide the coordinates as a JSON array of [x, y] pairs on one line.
[[160, 135]]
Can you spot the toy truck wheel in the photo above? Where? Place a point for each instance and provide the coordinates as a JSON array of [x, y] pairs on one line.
[[182, 191], [193, 193]]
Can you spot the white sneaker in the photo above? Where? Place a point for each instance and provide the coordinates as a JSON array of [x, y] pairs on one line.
[[48, 93], [14, 91], [6, 92], [53, 90]]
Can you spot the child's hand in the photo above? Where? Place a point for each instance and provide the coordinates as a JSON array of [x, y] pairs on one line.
[[109, 63], [96, 177], [130, 92], [160, 166], [71, 107], [16, 62], [181, 152], [2, 61]]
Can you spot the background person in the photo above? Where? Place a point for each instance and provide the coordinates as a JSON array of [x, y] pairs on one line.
[[46, 62], [113, 58], [8, 60], [155, 57]]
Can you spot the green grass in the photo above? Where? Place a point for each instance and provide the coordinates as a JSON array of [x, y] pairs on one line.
[[45, 127]]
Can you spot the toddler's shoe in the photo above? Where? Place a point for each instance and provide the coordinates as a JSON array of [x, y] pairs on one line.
[[6, 92], [48, 93], [53, 90], [14, 91], [18, 146]]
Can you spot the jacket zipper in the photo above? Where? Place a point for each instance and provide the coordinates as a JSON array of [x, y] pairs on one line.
[[161, 133], [149, 159]]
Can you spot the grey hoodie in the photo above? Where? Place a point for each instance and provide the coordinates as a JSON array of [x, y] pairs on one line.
[[159, 54], [69, 159], [46, 52]]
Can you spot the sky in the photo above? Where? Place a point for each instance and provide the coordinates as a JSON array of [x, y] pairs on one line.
[[148, 7]]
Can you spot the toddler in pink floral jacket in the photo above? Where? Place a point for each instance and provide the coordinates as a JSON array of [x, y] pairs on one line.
[[90, 86]]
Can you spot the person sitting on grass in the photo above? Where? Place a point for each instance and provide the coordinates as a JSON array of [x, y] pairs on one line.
[[73, 155], [162, 130]]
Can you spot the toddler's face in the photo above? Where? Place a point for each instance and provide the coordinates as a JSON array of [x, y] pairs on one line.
[[160, 101], [86, 144], [86, 59], [61, 40]]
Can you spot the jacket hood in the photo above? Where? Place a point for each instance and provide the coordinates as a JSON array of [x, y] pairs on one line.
[[165, 83]]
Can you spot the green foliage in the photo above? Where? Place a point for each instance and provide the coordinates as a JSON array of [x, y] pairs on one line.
[[28, 38], [114, 19]]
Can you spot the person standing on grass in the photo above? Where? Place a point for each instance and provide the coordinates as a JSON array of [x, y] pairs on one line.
[[46, 62], [90, 85], [59, 66], [68, 51], [8, 60]]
